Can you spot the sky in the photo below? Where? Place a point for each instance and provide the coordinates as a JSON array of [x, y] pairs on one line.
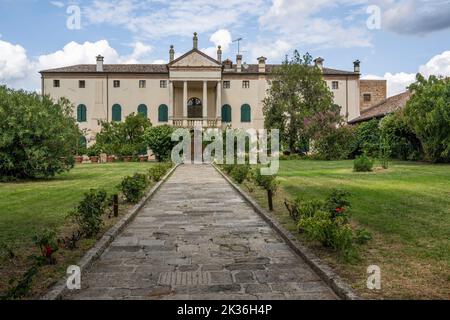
[[394, 39]]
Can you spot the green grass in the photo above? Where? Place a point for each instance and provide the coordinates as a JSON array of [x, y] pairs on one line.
[[28, 207], [410, 201]]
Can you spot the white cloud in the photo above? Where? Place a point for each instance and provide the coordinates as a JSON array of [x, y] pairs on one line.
[[221, 37], [58, 4], [13, 62], [139, 55], [397, 83]]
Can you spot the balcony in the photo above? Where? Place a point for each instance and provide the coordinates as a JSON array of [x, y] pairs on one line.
[[192, 123]]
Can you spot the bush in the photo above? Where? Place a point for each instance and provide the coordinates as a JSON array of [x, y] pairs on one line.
[[133, 187], [300, 209], [46, 242], [268, 182], [400, 138], [337, 203], [159, 140], [88, 213], [158, 171], [124, 138], [93, 151], [38, 137], [334, 144], [362, 164], [240, 172], [428, 114], [367, 138]]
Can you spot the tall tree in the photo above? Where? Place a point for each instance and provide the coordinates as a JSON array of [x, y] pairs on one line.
[[299, 102]]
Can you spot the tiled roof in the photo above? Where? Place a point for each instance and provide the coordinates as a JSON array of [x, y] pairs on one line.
[[383, 108], [163, 68]]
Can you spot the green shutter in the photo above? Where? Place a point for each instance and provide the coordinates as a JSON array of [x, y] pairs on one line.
[[246, 113], [142, 109], [163, 113], [81, 113], [116, 113], [226, 113], [83, 142]]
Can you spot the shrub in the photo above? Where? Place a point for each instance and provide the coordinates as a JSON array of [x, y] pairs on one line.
[[428, 114], [88, 213], [38, 137], [268, 182], [158, 171], [367, 138], [338, 204], [384, 153], [334, 144], [362, 164], [46, 242], [299, 209], [93, 151], [228, 168], [362, 236], [400, 138], [133, 187], [159, 140], [240, 172]]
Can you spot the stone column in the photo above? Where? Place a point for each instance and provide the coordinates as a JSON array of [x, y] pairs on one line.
[[205, 100], [171, 102], [185, 94], [219, 99]]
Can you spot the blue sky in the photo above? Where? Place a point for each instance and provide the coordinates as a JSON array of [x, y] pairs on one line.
[[413, 35]]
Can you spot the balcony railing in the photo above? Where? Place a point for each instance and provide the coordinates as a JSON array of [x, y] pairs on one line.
[[197, 122]]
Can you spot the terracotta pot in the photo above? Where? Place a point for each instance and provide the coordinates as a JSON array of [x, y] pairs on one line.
[[94, 159], [78, 159], [143, 158], [110, 159], [127, 158]]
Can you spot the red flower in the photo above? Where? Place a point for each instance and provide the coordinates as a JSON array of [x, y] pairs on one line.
[[339, 210], [48, 251]]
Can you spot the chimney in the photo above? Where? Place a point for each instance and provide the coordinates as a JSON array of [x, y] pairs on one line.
[[100, 63], [319, 63], [239, 63], [171, 54], [227, 64], [219, 54], [195, 41], [262, 64], [357, 66]]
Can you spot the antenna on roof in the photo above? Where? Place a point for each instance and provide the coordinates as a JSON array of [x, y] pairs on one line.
[[239, 44]]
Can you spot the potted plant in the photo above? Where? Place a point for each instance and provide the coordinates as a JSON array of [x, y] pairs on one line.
[[126, 152], [93, 153], [79, 157], [110, 158]]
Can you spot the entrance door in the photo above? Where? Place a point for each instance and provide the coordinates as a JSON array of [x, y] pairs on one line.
[[195, 108]]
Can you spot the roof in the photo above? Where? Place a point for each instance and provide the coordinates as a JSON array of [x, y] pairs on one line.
[[383, 108], [164, 68], [200, 53]]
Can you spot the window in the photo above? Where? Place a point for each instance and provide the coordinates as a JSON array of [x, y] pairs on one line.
[[81, 113], [246, 113], [56, 83], [163, 84], [142, 84], [81, 84], [335, 85], [116, 83], [82, 143], [163, 113], [226, 84], [367, 97], [116, 113], [245, 84], [142, 109], [226, 113]]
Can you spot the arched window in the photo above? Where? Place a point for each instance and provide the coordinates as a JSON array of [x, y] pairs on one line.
[[116, 113], [163, 113], [142, 109], [195, 108], [83, 142], [246, 113], [226, 113], [81, 113]]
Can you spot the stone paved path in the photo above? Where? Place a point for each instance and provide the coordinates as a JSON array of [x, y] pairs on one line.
[[198, 239]]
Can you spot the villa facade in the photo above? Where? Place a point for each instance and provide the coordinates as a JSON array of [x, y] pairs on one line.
[[194, 90]]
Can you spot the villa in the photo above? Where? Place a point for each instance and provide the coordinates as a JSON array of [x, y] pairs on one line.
[[194, 90]]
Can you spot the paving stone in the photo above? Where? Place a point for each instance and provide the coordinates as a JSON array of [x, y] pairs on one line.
[[197, 239]]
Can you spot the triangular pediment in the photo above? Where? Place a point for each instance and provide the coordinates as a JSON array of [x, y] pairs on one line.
[[195, 58]]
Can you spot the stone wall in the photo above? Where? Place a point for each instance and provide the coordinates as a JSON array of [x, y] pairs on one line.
[[377, 89]]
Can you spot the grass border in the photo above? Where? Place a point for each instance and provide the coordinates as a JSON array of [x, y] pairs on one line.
[[60, 288], [337, 284]]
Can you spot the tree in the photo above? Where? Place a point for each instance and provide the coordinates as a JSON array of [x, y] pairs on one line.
[[367, 138], [428, 114], [159, 139], [299, 102], [38, 138], [116, 136]]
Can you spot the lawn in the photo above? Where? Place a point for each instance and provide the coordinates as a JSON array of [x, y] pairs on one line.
[[406, 207], [30, 207]]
